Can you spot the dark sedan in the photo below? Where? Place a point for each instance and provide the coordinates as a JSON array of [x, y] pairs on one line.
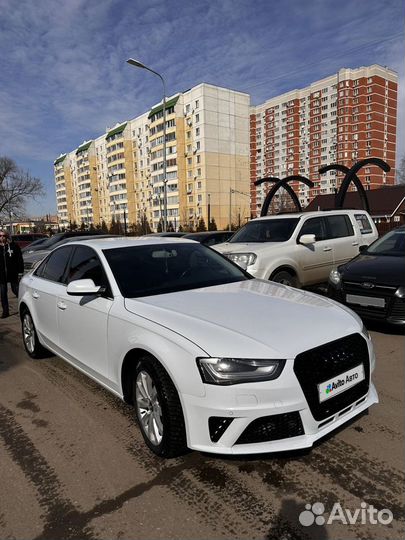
[[373, 283], [210, 238]]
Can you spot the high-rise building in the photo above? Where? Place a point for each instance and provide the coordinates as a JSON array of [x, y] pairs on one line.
[[341, 119], [119, 175]]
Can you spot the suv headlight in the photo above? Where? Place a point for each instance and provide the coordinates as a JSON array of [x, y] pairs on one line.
[[242, 259], [335, 277], [226, 371]]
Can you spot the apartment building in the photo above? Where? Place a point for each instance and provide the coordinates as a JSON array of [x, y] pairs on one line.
[[119, 175], [343, 118]]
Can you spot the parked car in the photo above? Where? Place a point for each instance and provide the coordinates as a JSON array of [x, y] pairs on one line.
[[210, 238], [373, 283], [26, 239], [35, 243], [53, 240], [202, 350], [168, 234], [31, 258], [299, 249]]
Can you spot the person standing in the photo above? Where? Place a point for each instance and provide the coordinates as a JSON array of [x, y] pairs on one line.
[[11, 264]]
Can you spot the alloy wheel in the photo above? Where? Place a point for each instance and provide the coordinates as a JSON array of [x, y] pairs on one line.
[[148, 408]]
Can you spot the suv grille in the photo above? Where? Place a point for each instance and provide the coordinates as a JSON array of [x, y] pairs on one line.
[[322, 363]]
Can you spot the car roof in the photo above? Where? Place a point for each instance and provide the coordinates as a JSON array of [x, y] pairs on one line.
[[123, 241], [206, 233], [315, 213]]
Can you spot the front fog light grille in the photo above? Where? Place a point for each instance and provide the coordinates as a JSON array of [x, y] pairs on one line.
[[217, 426], [272, 428]]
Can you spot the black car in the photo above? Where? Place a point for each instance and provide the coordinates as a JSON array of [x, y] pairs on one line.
[[210, 238], [373, 283], [168, 234], [49, 243]]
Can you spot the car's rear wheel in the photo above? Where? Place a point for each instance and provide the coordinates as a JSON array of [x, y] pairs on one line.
[[286, 278], [158, 409], [30, 336]]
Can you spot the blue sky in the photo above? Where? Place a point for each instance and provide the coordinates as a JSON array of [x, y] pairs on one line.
[[64, 78]]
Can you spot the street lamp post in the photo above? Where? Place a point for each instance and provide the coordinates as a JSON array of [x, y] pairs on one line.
[[231, 190], [138, 64]]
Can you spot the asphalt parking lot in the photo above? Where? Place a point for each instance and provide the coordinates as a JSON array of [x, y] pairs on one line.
[[73, 465]]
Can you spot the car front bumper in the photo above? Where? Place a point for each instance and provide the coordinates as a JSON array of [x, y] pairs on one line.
[[275, 415], [199, 435]]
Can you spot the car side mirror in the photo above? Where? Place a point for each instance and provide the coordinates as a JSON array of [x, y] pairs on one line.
[[83, 287], [307, 239], [363, 248]]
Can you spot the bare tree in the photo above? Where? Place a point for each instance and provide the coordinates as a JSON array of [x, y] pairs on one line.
[[16, 186], [400, 176]]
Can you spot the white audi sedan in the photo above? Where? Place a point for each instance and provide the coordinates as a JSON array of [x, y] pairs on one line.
[[211, 358]]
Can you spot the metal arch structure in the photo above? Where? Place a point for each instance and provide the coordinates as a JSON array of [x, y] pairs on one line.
[[355, 179], [282, 183], [351, 176]]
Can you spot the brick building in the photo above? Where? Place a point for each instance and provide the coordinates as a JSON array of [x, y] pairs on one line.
[[343, 118]]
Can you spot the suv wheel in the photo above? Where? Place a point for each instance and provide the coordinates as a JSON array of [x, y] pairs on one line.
[[285, 278]]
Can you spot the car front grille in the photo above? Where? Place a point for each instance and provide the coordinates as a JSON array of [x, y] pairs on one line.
[[397, 310], [384, 292], [393, 307], [322, 363], [272, 428]]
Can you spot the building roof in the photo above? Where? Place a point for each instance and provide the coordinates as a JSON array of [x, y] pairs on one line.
[[116, 130], [383, 201], [169, 103], [83, 147]]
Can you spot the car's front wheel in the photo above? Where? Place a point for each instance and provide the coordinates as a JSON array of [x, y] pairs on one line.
[[158, 409], [30, 336], [282, 276]]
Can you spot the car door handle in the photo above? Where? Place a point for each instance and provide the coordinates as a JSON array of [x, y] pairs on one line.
[[61, 305], [355, 243], [327, 249], [35, 295]]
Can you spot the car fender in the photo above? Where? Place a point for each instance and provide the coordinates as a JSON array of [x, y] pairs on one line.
[[282, 263], [131, 332]]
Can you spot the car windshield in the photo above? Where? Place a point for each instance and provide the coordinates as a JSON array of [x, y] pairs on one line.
[[266, 230], [50, 242], [165, 268], [392, 244]]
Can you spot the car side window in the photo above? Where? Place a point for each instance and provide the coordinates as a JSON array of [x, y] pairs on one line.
[[363, 223], [339, 226], [54, 266], [314, 226], [85, 264]]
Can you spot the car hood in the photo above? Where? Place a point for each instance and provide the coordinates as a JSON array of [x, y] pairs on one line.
[[251, 318], [376, 268]]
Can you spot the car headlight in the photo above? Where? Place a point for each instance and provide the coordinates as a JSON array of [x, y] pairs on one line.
[[226, 371], [242, 259], [335, 277]]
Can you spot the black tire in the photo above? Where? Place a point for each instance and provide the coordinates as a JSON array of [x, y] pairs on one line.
[[285, 277], [173, 440], [31, 343]]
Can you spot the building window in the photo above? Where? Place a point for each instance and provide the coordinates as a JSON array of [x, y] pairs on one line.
[[197, 117]]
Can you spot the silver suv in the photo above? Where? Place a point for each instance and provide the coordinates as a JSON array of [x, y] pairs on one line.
[[299, 249]]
